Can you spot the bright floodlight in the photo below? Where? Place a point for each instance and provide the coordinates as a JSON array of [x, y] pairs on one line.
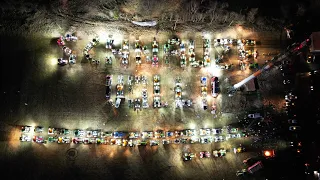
[[192, 125], [207, 35], [267, 153], [214, 71], [103, 36]]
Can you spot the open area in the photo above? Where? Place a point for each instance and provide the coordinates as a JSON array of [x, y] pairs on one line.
[[202, 94]]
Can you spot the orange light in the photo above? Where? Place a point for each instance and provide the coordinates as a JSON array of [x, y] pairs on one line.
[[267, 153]]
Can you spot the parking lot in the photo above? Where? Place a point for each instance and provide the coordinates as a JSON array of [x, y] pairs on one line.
[[73, 96]]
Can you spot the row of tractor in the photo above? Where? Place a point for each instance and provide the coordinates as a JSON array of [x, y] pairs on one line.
[[77, 136], [156, 92], [69, 56]]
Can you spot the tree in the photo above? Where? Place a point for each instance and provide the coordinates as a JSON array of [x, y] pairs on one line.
[[251, 15], [300, 10]]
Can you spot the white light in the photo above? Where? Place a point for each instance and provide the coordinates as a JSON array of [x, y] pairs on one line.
[[214, 71], [207, 36], [192, 126], [103, 36]]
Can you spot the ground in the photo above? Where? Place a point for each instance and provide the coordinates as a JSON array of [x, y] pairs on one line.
[[73, 97]]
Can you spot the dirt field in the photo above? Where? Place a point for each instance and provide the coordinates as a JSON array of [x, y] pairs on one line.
[[42, 93]]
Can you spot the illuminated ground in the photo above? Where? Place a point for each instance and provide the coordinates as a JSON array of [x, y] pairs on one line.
[[74, 97]]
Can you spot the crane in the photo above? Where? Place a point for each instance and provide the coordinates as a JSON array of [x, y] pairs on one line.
[[294, 48]]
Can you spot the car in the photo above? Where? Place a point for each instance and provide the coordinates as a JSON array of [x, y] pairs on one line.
[[142, 142], [204, 104], [154, 142], [124, 142], [242, 173], [155, 61], [232, 136], [144, 93], [188, 156], [254, 115], [124, 60], [125, 44], [137, 104], [169, 134], [177, 141], [131, 143], [206, 43], [147, 134], [206, 140], [184, 140], [112, 141], [89, 134], [203, 91], [203, 81], [239, 149], [159, 134], [38, 129], [294, 128], [186, 103], [144, 80], [156, 90], [286, 81], [52, 139], [233, 130], [166, 48], [155, 47], [178, 133], [119, 88], [62, 62], [51, 131], [215, 86], [204, 154], [110, 43], [190, 132], [290, 96], [96, 133], [194, 139], [165, 141], [60, 140], [134, 135], [250, 42], [26, 129], [191, 44], [183, 61], [156, 101], [25, 138], [218, 138], [100, 141], [77, 140], [108, 92], [66, 50], [65, 131], [72, 59], [106, 134], [205, 132], [156, 80], [206, 60], [192, 58], [182, 48], [60, 41], [219, 152], [108, 85], [118, 134], [145, 103], [178, 91]]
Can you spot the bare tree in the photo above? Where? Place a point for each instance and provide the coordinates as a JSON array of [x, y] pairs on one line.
[[251, 16], [212, 10], [300, 10]]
